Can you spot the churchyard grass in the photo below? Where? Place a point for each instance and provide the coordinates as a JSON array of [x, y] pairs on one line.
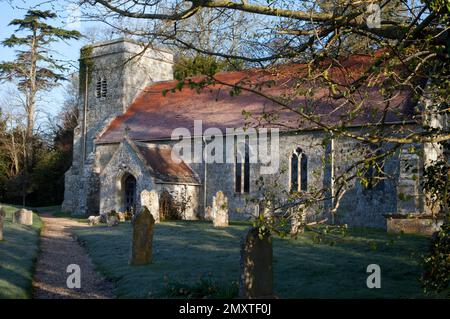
[[18, 252], [191, 253], [55, 211]]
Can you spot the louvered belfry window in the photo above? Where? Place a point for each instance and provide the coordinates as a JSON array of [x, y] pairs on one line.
[[101, 89]]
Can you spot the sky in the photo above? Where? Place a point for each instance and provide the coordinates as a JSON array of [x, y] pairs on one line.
[[66, 53]]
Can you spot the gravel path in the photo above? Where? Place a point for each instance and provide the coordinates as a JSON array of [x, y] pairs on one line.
[[58, 250]]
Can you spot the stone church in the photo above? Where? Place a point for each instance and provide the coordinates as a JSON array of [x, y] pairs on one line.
[[123, 145]]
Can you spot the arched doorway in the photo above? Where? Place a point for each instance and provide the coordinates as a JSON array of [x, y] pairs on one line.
[[129, 187]]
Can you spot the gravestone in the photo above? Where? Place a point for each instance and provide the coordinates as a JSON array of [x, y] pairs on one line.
[[256, 278], [112, 219], [93, 220], [220, 210], [150, 199], [23, 217], [209, 215], [121, 216], [2, 219], [141, 247]]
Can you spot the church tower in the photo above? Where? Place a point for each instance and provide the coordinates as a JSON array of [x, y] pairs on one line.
[[112, 74]]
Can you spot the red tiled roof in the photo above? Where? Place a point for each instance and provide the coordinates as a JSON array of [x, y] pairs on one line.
[[161, 165], [153, 116]]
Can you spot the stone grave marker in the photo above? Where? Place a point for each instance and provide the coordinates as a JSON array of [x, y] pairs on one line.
[[112, 219], [256, 277], [209, 214], [121, 216], [23, 217], [141, 246], [220, 210]]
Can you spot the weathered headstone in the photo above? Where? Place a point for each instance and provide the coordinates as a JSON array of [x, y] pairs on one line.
[[141, 247], [150, 199], [23, 217], [93, 220], [112, 219], [2, 219], [209, 215], [220, 210], [256, 278], [121, 216]]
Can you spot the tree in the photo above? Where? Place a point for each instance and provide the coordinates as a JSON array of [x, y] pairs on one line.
[[200, 65], [34, 69], [4, 160]]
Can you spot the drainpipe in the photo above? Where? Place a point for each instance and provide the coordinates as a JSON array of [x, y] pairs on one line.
[[85, 112], [205, 173], [332, 146]]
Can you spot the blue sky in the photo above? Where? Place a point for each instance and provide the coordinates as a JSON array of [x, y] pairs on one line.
[[67, 53]]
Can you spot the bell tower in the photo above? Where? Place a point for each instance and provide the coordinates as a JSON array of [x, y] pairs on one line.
[[112, 74], [116, 72]]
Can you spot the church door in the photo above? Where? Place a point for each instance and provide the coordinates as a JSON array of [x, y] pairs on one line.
[[130, 193]]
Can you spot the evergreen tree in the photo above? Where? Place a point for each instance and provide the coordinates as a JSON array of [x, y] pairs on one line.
[[34, 69]]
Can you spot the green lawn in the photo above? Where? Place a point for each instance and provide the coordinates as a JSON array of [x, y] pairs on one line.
[[55, 211], [18, 252], [183, 252]]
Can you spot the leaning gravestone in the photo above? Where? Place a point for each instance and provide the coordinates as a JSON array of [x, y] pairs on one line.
[[112, 219], [256, 278], [2, 218], [23, 217], [150, 199], [220, 210], [141, 247]]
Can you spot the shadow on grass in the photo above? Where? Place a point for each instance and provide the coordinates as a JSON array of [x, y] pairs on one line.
[[187, 251], [18, 253]]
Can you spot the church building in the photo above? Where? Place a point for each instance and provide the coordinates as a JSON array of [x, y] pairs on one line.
[[123, 145]]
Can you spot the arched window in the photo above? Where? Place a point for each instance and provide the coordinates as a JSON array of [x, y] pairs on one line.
[[129, 183], [374, 172], [238, 173], [299, 171], [242, 171]]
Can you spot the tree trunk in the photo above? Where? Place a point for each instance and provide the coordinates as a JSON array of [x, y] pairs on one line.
[[30, 109]]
